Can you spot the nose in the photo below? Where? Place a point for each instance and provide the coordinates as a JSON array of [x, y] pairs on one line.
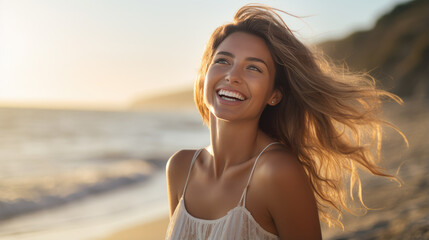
[[233, 76]]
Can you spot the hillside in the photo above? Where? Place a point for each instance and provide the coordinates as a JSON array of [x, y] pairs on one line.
[[395, 51], [178, 100]]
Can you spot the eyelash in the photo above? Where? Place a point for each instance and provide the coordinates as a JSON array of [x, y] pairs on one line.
[[223, 61], [256, 68], [220, 60]]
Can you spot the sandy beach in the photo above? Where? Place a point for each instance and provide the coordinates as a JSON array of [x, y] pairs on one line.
[[403, 212], [151, 230]]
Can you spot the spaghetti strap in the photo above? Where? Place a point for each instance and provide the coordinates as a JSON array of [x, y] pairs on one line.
[[190, 168], [243, 196], [238, 223]]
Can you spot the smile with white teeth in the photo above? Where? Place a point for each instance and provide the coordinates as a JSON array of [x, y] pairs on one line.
[[230, 96]]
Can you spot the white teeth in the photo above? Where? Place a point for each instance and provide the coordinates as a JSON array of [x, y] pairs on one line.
[[230, 94], [229, 99]]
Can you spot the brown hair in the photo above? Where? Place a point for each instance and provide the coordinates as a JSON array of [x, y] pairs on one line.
[[328, 116]]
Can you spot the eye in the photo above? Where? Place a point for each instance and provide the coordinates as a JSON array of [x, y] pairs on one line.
[[254, 68], [221, 61]]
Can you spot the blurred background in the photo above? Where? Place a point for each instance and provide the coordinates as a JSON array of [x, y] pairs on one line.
[[96, 95]]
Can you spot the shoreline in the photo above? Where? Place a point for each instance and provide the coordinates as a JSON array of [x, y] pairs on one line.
[[95, 217]]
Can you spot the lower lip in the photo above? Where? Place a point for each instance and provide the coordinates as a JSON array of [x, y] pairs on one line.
[[227, 102]]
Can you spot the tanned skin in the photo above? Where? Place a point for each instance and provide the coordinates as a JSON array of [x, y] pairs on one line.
[[279, 197]]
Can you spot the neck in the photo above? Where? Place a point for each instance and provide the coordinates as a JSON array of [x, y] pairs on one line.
[[233, 143]]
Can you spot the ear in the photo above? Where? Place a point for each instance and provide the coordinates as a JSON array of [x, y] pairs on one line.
[[275, 98]]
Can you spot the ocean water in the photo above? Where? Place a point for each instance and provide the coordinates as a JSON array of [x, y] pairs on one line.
[[65, 170]]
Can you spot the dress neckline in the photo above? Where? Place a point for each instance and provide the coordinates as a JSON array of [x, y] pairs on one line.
[[214, 221], [243, 196], [182, 200], [241, 204]]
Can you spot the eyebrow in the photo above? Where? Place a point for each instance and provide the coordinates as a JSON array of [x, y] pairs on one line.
[[248, 58]]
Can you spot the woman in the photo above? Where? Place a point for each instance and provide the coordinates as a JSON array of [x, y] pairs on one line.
[[285, 127]]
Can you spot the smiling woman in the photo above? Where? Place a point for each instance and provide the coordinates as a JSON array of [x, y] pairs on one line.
[[286, 127], [241, 75]]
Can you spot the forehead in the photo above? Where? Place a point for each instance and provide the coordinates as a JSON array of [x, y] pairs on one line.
[[242, 44]]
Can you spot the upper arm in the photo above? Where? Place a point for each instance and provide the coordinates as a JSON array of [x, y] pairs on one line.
[[290, 199], [176, 172]]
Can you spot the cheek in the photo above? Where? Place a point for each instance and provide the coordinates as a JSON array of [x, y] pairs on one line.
[[207, 95], [209, 81], [260, 86], [210, 75]]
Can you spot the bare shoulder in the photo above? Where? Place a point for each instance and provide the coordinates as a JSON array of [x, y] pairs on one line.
[[178, 166], [179, 161], [280, 174], [279, 166], [288, 195], [177, 170]]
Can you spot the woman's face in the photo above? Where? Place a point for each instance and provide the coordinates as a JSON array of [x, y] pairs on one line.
[[240, 79]]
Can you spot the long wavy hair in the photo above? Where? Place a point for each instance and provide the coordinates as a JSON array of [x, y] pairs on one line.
[[328, 116]]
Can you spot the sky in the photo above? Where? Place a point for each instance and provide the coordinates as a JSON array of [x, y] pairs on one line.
[[105, 54]]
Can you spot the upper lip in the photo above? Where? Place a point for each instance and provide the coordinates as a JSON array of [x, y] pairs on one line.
[[239, 94]]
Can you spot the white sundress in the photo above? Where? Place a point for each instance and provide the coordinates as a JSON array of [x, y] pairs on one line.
[[237, 224]]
